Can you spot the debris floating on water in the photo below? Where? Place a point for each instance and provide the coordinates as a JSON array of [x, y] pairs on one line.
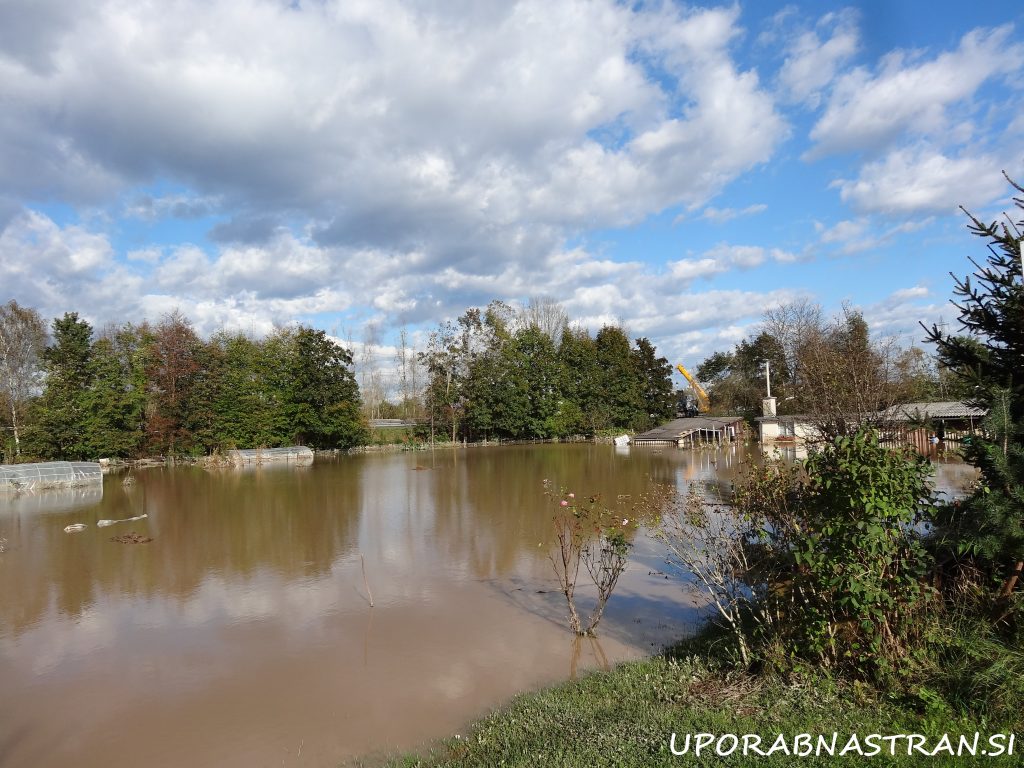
[[131, 538], [105, 523], [75, 527]]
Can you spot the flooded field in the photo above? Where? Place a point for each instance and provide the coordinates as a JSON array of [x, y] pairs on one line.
[[242, 634]]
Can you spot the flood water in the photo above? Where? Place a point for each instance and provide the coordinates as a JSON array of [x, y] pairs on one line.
[[242, 634]]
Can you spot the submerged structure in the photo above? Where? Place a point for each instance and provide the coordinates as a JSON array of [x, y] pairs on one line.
[[15, 478], [918, 424], [295, 454], [693, 431]]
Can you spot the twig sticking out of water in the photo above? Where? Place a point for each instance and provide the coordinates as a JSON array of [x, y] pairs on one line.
[[365, 582]]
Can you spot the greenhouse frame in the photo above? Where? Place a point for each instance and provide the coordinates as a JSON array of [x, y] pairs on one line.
[[295, 454], [15, 478]]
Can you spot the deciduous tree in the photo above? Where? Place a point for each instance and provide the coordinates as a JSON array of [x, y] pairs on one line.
[[323, 401], [22, 341]]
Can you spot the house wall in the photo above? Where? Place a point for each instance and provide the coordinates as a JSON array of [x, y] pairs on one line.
[[797, 431], [804, 430], [769, 430]]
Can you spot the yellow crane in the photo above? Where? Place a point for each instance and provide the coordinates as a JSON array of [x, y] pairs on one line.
[[702, 396]]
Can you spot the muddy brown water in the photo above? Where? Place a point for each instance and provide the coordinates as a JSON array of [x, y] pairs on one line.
[[242, 634]]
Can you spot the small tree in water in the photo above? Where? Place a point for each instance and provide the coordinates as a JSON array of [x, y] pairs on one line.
[[587, 532]]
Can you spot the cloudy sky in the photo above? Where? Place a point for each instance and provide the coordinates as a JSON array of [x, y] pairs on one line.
[[675, 167]]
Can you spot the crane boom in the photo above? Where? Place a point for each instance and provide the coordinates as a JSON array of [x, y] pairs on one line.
[[702, 396]]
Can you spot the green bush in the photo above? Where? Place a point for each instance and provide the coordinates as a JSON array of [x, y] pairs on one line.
[[836, 555]]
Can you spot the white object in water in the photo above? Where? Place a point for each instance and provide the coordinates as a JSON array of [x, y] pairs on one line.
[[75, 527], [105, 523], [622, 440]]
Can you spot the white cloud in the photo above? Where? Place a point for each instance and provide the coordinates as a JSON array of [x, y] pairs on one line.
[[923, 180], [726, 258], [255, 287], [900, 313], [365, 158], [722, 215], [812, 63], [867, 111], [915, 292], [398, 161], [359, 115], [864, 233]]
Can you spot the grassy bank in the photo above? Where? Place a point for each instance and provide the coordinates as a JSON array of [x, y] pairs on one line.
[[625, 718]]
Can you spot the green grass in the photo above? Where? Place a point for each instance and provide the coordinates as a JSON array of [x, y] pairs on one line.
[[625, 718]]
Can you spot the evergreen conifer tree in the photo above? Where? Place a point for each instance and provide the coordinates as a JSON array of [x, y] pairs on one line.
[[989, 355], [61, 415]]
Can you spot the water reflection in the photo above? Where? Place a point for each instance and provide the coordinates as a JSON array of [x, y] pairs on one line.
[[50, 501], [243, 628]]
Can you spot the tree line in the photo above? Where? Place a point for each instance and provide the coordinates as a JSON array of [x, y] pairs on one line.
[[161, 390], [528, 374], [71, 392]]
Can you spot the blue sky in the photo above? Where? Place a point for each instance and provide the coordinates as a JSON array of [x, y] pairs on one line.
[[679, 168]]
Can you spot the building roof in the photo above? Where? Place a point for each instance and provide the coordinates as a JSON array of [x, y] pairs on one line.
[[952, 409], [924, 411], [673, 430]]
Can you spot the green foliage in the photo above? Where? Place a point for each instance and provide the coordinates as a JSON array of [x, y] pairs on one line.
[[972, 667], [988, 358], [116, 399], [163, 390], [321, 394], [60, 417], [834, 554], [735, 380], [656, 390], [531, 365], [245, 396], [579, 376], [621, 398], [625, 717], [493, 376], [22, 341], [858, 561]]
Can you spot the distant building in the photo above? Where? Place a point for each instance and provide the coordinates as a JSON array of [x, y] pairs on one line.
[[786, 429], [924, 425], [908, 423], [693, 431]]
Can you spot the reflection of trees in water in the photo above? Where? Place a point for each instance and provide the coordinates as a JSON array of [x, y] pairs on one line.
[[295, 523], [491, 512], [479, 511]]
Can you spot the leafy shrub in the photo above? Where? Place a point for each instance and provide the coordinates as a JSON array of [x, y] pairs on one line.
[[822, 563]]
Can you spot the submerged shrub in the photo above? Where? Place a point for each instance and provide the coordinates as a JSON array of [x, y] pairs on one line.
[[822, 563]]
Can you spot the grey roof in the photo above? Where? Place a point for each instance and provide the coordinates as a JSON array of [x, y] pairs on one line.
[[945, 410], [677, 428]]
